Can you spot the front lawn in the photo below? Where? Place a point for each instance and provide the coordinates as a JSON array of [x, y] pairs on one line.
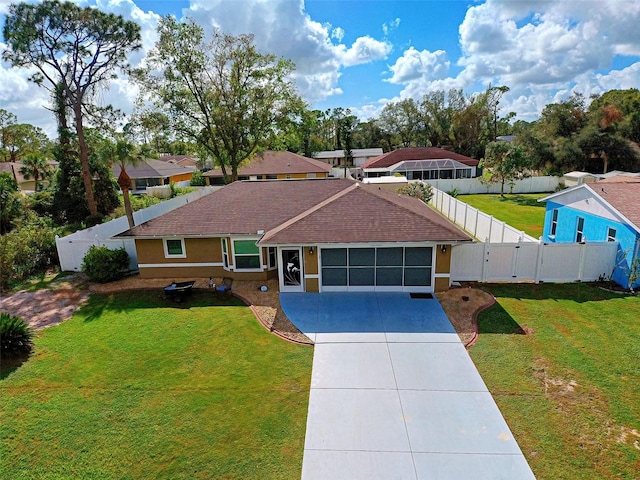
[[521, 211], [562, 362], [137, 387]]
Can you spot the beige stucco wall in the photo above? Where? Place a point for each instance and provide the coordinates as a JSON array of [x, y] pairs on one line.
[[441, 284], [443, 260], [312, 285], [310, 261], [198, 250]]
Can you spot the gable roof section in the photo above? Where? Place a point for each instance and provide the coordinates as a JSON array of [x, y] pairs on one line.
[[424, 153], [305, 212], [152, 168], [241, 208], [274, 163], [622, 197], [381, 216]]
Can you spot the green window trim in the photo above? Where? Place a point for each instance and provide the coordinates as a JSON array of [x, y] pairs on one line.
[[174, 248], [246, 255]]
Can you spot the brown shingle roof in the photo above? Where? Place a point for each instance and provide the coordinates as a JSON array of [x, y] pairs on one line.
[[306, 211], [274, 163], [241, 208], [423, 153], [624, 197], [151, 168], [380, 216]]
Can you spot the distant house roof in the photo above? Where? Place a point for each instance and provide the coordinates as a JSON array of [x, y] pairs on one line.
[[275, 162], [422, 153], [621, 196], [621, 178], [152, 168], [356, 152], [305, 212], [177, 158]]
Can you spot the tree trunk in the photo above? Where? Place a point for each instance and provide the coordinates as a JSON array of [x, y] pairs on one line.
[[127, 207], [605, 159], [84, 162]]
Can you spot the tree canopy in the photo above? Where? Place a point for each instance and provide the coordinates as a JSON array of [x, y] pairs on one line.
[[75, 50], [219, 92]]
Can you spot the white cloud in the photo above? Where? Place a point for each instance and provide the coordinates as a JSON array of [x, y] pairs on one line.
[[414, 65], [536, 48], [282, 27], [364, 50], [387, 28]]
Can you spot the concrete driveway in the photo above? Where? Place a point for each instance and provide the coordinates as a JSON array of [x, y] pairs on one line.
[[394, 394]]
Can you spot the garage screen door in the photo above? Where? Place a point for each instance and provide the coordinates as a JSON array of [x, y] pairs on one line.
[[376, 267]]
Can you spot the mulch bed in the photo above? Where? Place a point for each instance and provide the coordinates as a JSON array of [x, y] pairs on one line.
[[44, 308]]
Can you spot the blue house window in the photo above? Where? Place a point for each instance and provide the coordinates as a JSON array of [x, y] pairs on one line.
[[580, 230], [554, 221], [611, 234]]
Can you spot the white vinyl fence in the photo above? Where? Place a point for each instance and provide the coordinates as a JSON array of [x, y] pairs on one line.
[[468, 186], [477, 223], [533, 262], [73, 248]]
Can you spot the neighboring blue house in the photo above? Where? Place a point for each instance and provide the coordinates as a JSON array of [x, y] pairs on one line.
[[607, 211]]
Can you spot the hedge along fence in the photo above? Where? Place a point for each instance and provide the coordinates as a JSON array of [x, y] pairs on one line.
[[73, 248]]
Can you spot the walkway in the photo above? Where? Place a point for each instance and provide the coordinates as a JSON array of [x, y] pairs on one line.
[[394, 394]]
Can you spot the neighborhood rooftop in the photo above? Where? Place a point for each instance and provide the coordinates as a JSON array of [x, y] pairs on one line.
[[424, 153], [274, 163]]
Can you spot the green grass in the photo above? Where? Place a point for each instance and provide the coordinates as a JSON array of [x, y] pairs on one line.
[[520, 211], [136, 387], [569, 388]]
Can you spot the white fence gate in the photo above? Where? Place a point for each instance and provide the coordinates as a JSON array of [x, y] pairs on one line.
[[533, 262], [73, 248]]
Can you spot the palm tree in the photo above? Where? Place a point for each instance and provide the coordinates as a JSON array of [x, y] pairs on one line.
[[35, 166], [123, 153]]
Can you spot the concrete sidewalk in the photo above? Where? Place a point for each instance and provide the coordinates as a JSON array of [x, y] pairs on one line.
[[394, 394]]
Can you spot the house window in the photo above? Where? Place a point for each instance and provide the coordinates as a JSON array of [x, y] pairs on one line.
[[246, 255], [311, 175], [580, 230], [611, 234], [272, 258], [272, 177], [174, 248], [225, 254], [554, 221], [288, 177]]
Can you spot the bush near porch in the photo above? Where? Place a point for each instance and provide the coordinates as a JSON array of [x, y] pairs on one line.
[[134, 386], [561, 361]]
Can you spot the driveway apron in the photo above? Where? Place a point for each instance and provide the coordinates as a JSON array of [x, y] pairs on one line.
[[395, 395]]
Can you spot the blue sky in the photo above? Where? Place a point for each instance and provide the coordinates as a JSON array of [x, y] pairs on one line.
[[363, 54]]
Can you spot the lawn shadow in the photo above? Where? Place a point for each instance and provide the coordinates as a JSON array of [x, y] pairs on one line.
[[522, 200], [123, 302], [8, 366], [496, 320], [576, 291]]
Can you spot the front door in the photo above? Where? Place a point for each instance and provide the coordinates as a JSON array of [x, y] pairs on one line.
[[291, 274]]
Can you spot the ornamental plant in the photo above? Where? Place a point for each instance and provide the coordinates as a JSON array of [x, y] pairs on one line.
[[16, 337]]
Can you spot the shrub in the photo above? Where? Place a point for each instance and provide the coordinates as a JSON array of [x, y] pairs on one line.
[[420, 190], [27, 250], [198, 180], [101, 264], [16, 337]]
